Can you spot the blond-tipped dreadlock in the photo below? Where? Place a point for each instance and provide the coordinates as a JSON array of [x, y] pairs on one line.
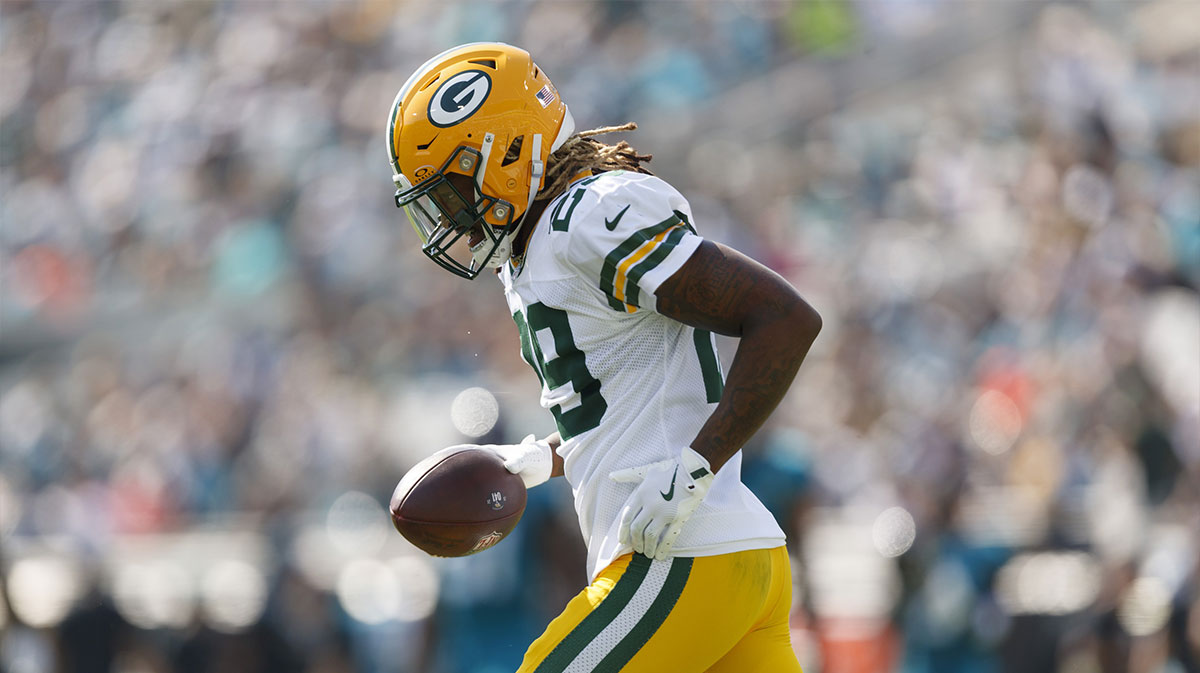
[[581, 153], [578, 154]]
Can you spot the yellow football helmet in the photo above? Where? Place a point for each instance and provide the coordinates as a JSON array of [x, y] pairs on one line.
[[468, 137]]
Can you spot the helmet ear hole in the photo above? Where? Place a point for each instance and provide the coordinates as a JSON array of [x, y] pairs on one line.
[[514, 151]]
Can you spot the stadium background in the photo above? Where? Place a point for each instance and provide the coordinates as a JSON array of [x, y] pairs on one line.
[[220, 346]]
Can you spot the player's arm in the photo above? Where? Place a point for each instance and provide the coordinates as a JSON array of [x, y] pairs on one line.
[[720, 290], [555, 440], [724, 291]]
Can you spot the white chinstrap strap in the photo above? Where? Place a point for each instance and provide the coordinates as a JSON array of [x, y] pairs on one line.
[[503, 251], [536, 170], [503, 248], [485, 151]]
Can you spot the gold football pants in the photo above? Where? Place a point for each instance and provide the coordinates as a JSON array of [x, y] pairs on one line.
[[711, 614]]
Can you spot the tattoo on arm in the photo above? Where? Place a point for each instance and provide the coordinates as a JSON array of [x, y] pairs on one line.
[[760, 376], [711, 289], [720, 290]]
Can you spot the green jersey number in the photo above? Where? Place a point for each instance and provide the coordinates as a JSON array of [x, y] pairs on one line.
[[569, 365], [559, 220]]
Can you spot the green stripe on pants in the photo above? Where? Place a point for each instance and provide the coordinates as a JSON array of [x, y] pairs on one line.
[[591, 626], [647, 626]]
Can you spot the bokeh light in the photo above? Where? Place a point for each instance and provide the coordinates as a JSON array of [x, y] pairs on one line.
[[233, 595], [24, 413], [474, 412], [995, 422], [1168, 346], [419, 587], [154, 593], [1048, 583], [357, 523], [10, 508], [893, 532], [369, 591], [1145, 607], [849, 578], [42, 589]]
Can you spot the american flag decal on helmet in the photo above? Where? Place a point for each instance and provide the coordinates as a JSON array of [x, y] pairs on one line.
[[546, 95]]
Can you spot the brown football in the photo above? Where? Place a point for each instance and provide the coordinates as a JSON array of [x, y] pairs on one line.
[[457, 502]]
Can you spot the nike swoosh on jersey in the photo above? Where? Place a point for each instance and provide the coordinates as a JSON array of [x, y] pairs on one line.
[[671, 491], [612, 224]]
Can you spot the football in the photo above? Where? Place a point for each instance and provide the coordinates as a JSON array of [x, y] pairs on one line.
[[457, 502]]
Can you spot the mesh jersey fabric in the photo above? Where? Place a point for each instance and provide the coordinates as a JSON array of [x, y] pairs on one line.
[[627, 385]]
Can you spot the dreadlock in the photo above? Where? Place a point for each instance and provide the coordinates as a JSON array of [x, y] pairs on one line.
[[581, 153], [578, 154]]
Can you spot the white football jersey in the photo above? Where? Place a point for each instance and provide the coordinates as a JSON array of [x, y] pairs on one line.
[[627, 386]]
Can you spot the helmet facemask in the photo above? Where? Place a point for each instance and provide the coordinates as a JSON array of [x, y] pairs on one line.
[[445, 216]]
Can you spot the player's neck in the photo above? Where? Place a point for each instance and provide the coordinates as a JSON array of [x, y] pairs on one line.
[[521, 241], [531, 219]]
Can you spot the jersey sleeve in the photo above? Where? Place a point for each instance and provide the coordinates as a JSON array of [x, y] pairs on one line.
[[636, 234]]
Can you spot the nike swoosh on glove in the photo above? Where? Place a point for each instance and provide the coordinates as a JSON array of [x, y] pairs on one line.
[[531, 459], [666, 494]]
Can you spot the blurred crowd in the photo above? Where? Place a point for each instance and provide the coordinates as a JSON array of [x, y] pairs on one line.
[[220, 346]]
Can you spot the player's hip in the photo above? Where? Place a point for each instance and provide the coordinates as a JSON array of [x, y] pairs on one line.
[[683, 614], [730, 520]]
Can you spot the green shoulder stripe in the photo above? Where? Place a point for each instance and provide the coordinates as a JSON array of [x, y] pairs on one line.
[[632, 291], [608, 272], [686, 222]]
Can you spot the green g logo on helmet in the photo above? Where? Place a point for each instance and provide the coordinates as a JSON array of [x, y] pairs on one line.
[[459, 97]]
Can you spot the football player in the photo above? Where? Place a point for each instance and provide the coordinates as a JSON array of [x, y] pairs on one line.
[[616, 298]]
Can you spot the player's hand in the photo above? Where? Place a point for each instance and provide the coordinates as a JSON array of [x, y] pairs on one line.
[[531, 459], [666, 495]]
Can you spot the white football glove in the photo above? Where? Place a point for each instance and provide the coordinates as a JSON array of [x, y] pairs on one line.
[[531, 459], [666, 495]]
